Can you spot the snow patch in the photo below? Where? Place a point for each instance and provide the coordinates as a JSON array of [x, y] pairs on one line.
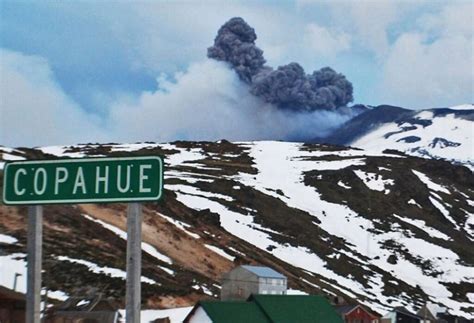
[[122, 234], [428, 182], [375, 181], [109, 271], [180, 225], [133, 147], [192, 190], [444, 211], [462, 107], [341, 184], [183, 156], [176, 315], [7, 239], [10, 157], [220, 252], [413, 202], [420, 224]]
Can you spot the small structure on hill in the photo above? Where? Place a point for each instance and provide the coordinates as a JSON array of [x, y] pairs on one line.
[[449, 318], [12, 305], [162, 320], [91, 309], [242, 281], [427, 315], [266, 309], [356, 313], [401, 315]]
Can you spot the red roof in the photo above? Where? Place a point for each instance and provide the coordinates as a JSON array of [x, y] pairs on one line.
[[10, 294], [355, 311]]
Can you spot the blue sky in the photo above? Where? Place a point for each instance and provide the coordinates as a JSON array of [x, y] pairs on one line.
[[104, 61]]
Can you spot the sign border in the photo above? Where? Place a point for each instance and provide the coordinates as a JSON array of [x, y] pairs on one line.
[[85, 201]]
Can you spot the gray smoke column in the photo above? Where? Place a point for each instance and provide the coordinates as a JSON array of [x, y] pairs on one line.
[[235, 44], [287, 87]]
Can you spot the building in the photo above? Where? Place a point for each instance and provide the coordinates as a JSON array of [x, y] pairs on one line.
[[432, 313], [449, 318], [92, 309], [266, 309], [12, 306], [226, 312], [356, 313], [427, 316], [243, 281], [401, 315]]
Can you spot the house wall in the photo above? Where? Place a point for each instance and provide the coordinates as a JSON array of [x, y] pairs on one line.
[[389, 318], [80, 317], [359, 315], [272, 286], [238, 284], [199, 316], [12, 311], [402, 318]]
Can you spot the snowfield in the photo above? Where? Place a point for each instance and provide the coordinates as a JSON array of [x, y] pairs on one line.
[[443, 137], [424, 260], [275, 158]]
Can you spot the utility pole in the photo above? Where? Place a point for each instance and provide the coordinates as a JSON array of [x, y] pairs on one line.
[[15, 280]]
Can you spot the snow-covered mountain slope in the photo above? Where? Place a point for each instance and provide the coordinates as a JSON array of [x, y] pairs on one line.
[[387, 230], [436, 133]]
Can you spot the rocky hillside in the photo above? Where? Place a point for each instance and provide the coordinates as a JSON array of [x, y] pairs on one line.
[[445, 133], [386, 229]]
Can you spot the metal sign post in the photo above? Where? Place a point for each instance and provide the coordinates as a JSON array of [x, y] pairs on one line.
[[134, 262], [84, 180], [35, 251]]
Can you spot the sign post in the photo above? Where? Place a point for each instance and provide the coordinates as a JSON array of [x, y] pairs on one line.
[[86, 180], [134, 262], [34, 245]]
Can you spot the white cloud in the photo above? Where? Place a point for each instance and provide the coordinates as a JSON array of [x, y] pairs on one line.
[[453, 20], [209, 102], [206, 102], [432, 67], [316, 33], [33, 108], [168, 36], [425, 62], [371, 20], [367, 22], [324, 41]]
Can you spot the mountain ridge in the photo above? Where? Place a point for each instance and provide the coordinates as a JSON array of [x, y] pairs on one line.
[[379, 228], [441, 133]]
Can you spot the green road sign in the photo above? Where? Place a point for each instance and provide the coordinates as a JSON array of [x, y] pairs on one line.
[[86, 180]]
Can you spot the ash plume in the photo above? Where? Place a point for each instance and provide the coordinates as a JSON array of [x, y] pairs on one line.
[[235, 44], [287, 87]]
